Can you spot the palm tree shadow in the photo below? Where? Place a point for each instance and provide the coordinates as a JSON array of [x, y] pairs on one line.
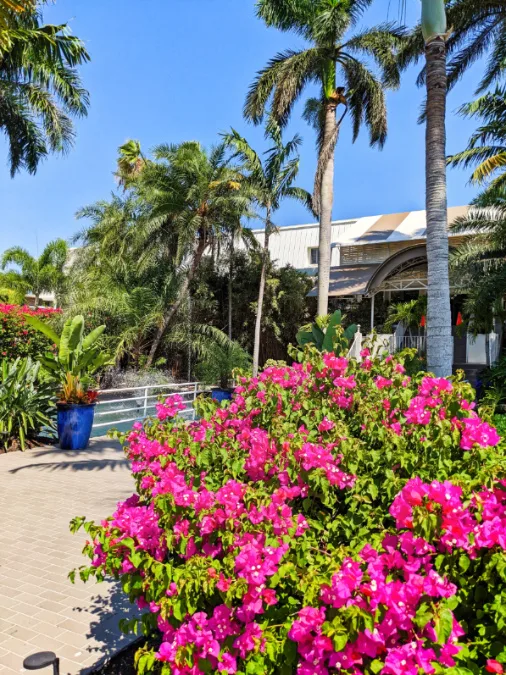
[[92, 459], [104, 638], [76, 466]]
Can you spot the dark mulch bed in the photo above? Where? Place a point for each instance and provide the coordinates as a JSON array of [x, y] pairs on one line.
[[123, 663], [15, 445]]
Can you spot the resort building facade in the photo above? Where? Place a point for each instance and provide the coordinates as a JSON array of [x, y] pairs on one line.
[[378, 260]]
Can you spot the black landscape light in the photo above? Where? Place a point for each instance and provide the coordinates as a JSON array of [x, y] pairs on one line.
[[42, 660]]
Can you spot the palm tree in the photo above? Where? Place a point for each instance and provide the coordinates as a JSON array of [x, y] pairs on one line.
[[8, 10], [439, 324], [180, 205], [269, 182], [195, 198], [40, 89], [331, 55], [131, 301], [486, 149], [480, 262], [131, 161], [477, 29], [38, 275]]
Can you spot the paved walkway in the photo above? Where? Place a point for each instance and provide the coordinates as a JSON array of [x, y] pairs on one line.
[[40, 491]]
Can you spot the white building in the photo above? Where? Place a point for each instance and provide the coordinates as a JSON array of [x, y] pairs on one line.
[[381, 255]]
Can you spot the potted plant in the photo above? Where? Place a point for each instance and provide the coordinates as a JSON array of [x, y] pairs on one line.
[[220, 362], [73, 368]]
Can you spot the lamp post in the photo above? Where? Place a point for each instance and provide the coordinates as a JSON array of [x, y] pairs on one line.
[[42, 660]]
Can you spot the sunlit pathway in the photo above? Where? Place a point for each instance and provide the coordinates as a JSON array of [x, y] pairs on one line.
[[40, 491]]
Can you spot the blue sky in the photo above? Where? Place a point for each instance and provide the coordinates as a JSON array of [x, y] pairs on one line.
[[174, 70]]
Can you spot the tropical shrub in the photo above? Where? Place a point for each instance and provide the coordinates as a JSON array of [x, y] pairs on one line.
[[220, 362], [26, 403], [328, 334], [77, 360], [17, 338], [335, 517]]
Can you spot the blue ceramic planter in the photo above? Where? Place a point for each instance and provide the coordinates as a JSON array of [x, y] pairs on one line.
[[221, 394], [74, 425]]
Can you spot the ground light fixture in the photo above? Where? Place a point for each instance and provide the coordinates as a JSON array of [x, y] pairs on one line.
[[42, 660]]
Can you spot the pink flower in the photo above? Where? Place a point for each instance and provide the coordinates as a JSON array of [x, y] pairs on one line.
[[247, 642], [494, 666], [326, 425]]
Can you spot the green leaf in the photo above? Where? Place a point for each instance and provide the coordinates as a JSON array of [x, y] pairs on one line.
[[349, 333], [76, 332], [340, 642], [318, 336], [330, 333], [443, 625], [42, 327], [92, 337], [304, 338]]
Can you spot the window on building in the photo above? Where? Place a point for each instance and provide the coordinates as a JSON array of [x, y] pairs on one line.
[[313, 256]]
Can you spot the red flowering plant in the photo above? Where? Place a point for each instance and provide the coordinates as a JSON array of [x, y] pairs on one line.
[[336, 517], [17, 337]]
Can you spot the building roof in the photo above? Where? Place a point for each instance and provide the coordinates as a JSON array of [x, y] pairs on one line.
[[348, 280], [386, 228], [394, 227]]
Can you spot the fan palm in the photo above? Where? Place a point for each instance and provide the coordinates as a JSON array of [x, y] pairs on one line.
[[269, 182], [486, 149], [38, 275], [40, 89], [333, 61]]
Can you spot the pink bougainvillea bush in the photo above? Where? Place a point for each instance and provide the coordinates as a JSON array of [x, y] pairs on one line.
[[17, 338], [335, 517]]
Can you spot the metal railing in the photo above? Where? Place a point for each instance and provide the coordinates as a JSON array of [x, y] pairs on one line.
[[418, 342], [117, 407]]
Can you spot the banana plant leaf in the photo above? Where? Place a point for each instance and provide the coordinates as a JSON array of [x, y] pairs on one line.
[[42, 327]]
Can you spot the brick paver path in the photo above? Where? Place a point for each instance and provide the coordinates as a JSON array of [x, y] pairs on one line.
[[40, 491]]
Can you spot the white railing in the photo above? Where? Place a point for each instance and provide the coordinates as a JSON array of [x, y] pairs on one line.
[[418, 342], [132, 404], [494, 348], [356, 346]]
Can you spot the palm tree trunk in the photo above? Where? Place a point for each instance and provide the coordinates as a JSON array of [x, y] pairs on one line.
[[230, 273], [261, 293], [439, 329], [326, 204], [183, 292]]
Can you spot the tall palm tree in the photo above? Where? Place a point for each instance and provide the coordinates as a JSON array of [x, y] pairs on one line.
[[194, 197], [180, 205], [477, 29], [40, 89], [439, 324], [269, 182], [38, 275], [333, 61]]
